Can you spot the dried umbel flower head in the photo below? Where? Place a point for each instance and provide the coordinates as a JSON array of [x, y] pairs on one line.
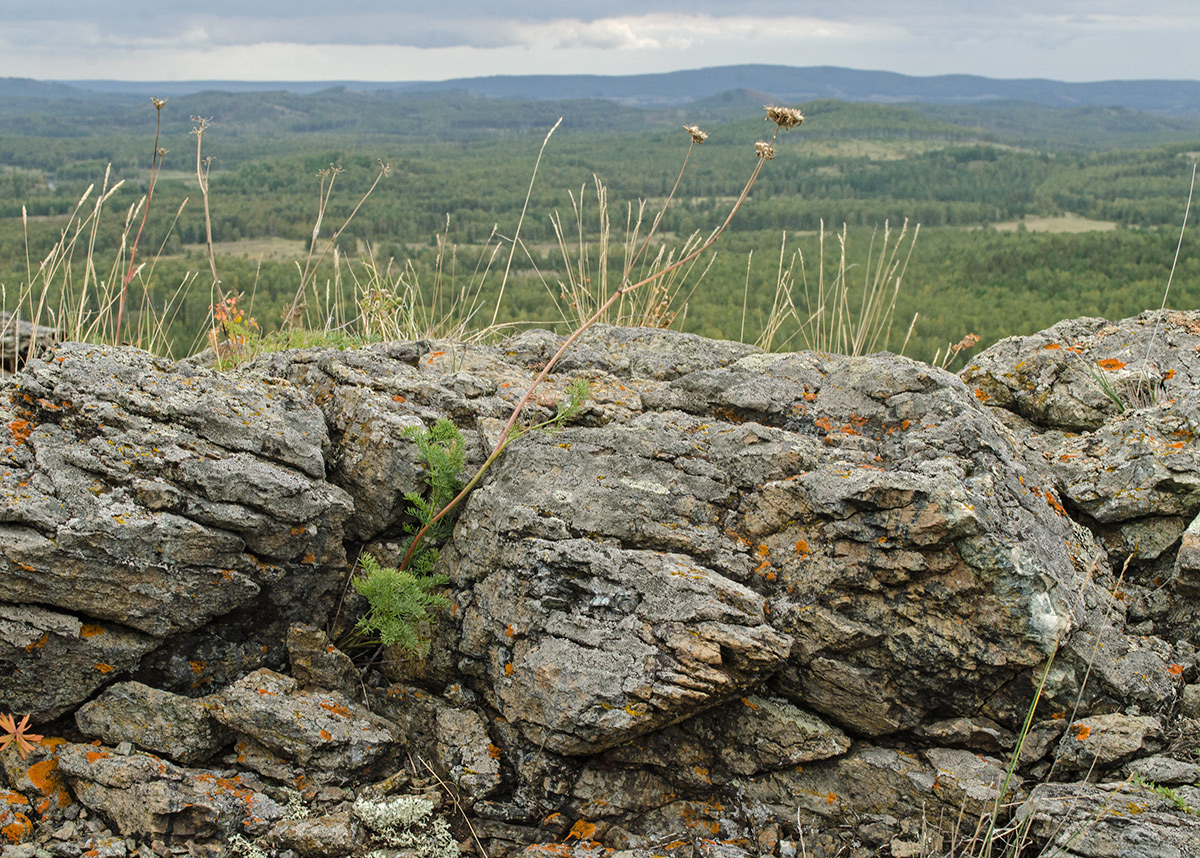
[[698, 136], [158, 102], [764, 150], [785, 117]]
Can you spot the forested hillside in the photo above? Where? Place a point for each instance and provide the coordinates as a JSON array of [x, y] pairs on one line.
[[1109, 186]]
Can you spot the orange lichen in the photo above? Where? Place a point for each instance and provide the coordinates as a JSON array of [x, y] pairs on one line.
[[326, 736], [802, 547], [1110, 364], [335, 708], [103, 668], [581, 831], [508, 670], [19, 830], [198, 666], [1082, 732], [21, 429], [493, 751], [1175, 670], [1052, 347], [88, 630]]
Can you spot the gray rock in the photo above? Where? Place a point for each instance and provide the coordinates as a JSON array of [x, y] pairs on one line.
[[873, 502], [464, 750], [1106, 740], [156, 496], [1139, 470], [1060, 377], [330, 736], [1187, 560], [146, 795], [868, 781], [62, 659], [1165, 770], [331, 835], [174, 726], [316, 663], [978, 734], [587, 645], [1102, 820], [747, 736], [21, 340], [369, 398], [1109, 669], [972, 782]]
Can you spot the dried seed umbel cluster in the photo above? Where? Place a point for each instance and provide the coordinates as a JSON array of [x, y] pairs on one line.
[[763, 149], [698, 136], [786, 118]]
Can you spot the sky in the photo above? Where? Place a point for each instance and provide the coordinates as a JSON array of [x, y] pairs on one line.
[[400, 40]]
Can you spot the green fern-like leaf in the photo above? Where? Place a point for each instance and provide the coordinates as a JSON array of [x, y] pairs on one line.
[[399, 601]]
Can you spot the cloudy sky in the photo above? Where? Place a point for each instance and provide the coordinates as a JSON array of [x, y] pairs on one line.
[[398, 40]]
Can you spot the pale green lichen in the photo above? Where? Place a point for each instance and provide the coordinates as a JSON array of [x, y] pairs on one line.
[[407, 822], [239, 845]]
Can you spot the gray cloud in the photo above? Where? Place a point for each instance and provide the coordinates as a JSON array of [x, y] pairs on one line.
[[1070, 39]]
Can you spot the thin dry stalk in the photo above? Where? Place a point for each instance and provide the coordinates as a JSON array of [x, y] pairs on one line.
[[521, 220], [202, 168], [155, 167], [457, 806], [836, 323], [324, 194], [1187, 209]]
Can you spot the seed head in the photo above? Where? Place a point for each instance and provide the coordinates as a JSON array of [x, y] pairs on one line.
[[764, 150], [158, 102], [785, 117], [698, 136]]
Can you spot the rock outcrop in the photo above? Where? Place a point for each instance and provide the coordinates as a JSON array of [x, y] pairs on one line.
[[744, 603]]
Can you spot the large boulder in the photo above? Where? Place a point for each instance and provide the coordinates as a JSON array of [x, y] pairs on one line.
[[905, 556], [146, 502]]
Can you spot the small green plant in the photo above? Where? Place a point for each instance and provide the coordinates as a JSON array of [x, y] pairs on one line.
[[1165, 792], [399, 602], [401, 599], [443, 451]]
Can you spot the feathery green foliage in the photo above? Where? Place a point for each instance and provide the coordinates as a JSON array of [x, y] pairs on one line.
[[399, 600], [442, 450]]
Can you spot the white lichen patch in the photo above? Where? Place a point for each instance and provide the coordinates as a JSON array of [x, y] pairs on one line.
[[407, 822]]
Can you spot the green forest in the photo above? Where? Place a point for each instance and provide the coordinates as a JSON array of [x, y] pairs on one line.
[[386, 214]]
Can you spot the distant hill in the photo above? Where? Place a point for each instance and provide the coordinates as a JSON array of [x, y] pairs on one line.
[[784, 83]]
